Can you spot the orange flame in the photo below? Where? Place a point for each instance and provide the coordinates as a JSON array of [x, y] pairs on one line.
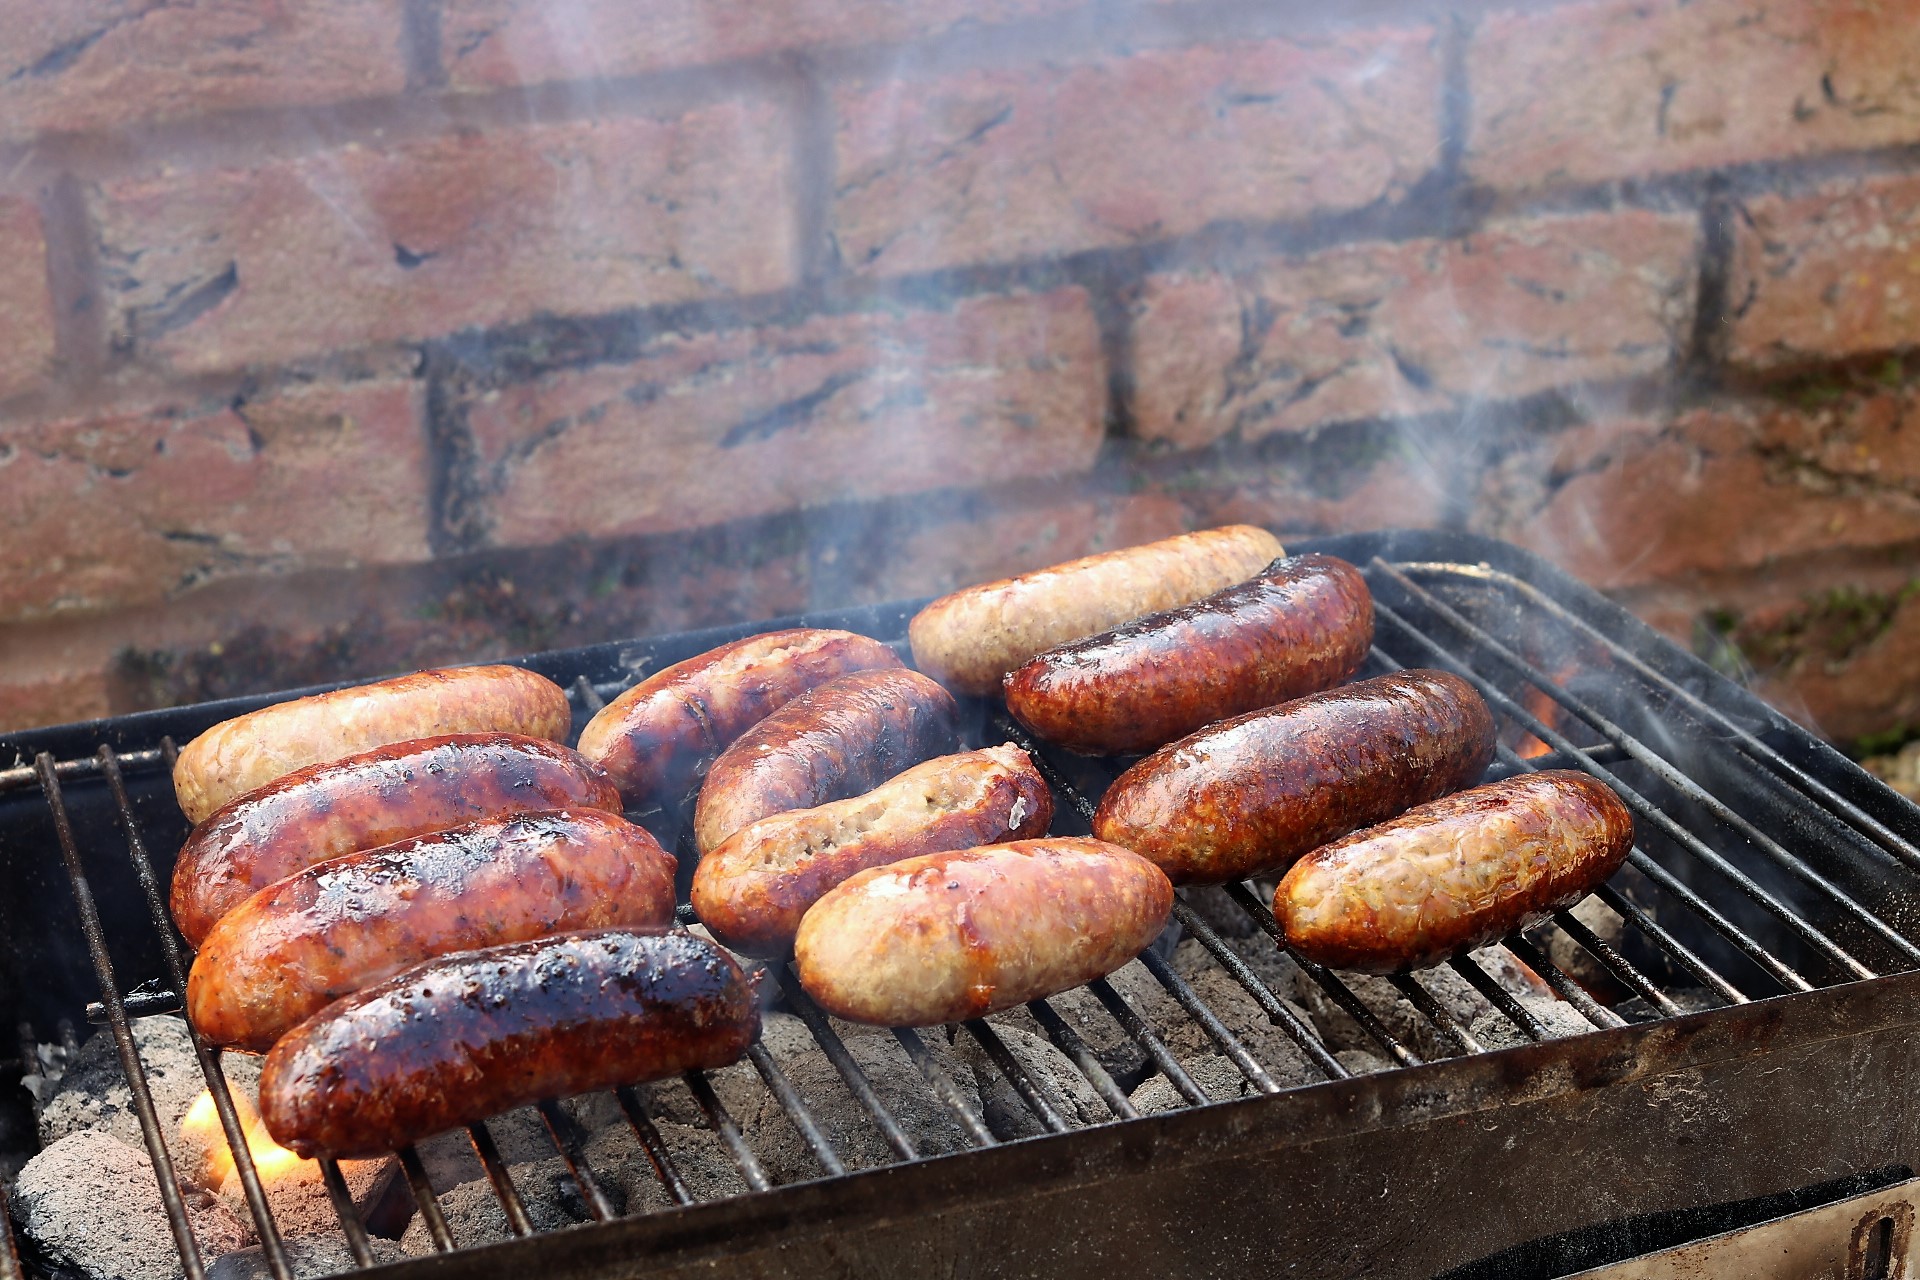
[[1547, 712], [202, 1125]]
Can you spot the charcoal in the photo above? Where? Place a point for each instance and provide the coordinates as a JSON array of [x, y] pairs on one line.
[[697, 1155], [520, 1135], [309, 1256], [475, 1217], [298, 1196], [1579, 963], [88, 1206], [1006, 1113], [1216, 1075], [93, 1093]]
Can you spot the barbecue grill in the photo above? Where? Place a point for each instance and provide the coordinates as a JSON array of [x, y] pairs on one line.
[[1751, 1019]]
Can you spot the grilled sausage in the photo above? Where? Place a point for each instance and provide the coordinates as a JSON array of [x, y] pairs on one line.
[[1303, 625], [950, 936], [1253, 793], [843, 738], [333, 929], [1455, 874], [455, 1040], [970, 639], [658, 737], [362, 802], [751, 891], [249, 751]]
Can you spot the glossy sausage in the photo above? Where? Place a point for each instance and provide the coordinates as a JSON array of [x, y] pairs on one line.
[[341, 926], [970, 639], [1455, 874], [1303, 625], [364, 801], [753, 889], [658, 737], [843, 738], [468, 1036], [238, 755], [951, 936], [1251, 794]]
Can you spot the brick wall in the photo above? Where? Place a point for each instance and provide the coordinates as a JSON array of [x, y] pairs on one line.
[[342, 336]]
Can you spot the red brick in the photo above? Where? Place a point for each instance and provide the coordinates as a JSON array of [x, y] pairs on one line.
[[1380, 485], [52, 699], [366, 245], [1828, 275], [708, 428], [1592, 92], [26, 307], [1379, 330], [493, 43], [83, 66], [131, 508], [999, 164], [1732, 488]]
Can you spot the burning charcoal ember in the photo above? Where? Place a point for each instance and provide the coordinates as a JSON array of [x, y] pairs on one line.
[[475, 1217], [297, 1194], [520, 1134], [93, 1092], [1001, 1106], [1216, 1075], [1579, 963], [1361, 1063], [88, 1206], [309, 1256], [628, 1176]]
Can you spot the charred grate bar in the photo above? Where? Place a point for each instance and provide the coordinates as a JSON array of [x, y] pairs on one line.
[[1721, 905]]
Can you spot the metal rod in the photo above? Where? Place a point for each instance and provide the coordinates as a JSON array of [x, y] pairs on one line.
[[503, 1188], [174, 952], [1278, 1012], [856, 1080], [796, 1108], [94, 931], [566, 1140], [356, 1231], [1499, 997], [641, 1120], [1616, 964], [724, 1124], [1675, 949], [1228, 1043], [1143, 1035], [943, 1086], [590, 699], [1068, 1041], [1642, 806], [1341, 994], [426, 1202], [1017, 1075], [1563, 986], [1422, 999], [22, 777]]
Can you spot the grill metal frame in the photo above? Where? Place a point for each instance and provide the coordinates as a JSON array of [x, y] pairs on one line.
[[1747, 894]]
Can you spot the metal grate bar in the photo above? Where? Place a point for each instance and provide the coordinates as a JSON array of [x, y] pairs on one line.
[[797, 1114], [1661, 768], [1017, 1074], [509, 1196], [1228, 1043], [1499, 997], [130, 1063], [426, 1202], [1563, 986], [1645, 808], [25, 776], [343, 1209], [640, 1118], [1277, 1010], [1676, 950], [836, 1050], [729, 1129], [208, 1058], [944, 1087], [1616, 964], [1068, 1041], [1143, 1035], [566, 1140], [1422, 999]]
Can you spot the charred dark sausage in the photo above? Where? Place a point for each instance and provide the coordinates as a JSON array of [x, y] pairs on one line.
[[456, 1040], [364, 801], [1456, 873], [1251, 794], [343, 925], [1303, 625], [843, 738], [658, 737]]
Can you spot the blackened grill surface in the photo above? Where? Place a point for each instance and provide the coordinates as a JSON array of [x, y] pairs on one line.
[[1769, 866]]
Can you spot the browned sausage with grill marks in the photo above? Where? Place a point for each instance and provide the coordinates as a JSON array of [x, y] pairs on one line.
[[364, 801], [1303, 625], [753, 889], [1251, 794], [950, 936], [970, 639], [658, 737], [1456, 873], [458, 1039], [249, 751], [333, 929], [843, 738]]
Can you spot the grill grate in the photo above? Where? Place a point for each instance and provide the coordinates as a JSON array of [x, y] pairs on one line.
[[1716, 894]]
